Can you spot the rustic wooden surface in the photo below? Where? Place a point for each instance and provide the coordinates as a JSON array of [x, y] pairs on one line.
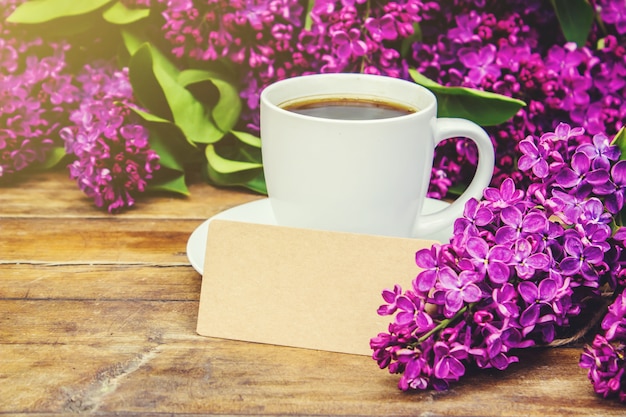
[[98, 315]]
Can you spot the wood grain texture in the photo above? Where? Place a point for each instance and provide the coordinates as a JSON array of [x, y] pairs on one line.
[[87, 241], [54, 195], [98, 315]]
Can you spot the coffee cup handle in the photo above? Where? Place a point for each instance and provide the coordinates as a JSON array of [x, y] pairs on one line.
[[446, 128]]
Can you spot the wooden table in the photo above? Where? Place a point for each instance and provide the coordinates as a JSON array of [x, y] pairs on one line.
[[98, 315]]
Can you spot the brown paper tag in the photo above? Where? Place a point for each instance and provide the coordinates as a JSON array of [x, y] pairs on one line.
[[299, 287]]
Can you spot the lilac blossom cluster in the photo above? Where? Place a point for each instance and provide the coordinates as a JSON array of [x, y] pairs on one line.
[[604, 358], [270, 41], [360, 35], [45, 103], [518, 268], [511, 47], [36, 92], [255, 37], [516, 48], [113, 161]]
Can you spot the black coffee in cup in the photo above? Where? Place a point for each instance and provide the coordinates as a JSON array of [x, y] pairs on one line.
[[349, 108]]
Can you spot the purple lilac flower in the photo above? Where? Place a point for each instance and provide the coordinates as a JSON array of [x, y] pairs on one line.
[[481, 64], [267, 38], [600, 151], [535, 297], [504, 196], [518, 267], [604, 358], [39, 90], [258, 36], [515, 48], [511, 47], [455, 289], [533, 157], [36, 92], [526, 260], [614, 189], [113, 159], [490, 261], [580, 173], [614, 323], [605, 362], [613, 12]]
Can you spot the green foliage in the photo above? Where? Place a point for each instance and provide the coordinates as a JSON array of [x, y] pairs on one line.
[[228, 107], [575, 18], [167, 140], [620, 140], [225, 171], [481, 107], [193, 113], [53, 158], [191, 116], [407, 43], [308, 23], [187, 112], [44, 11], [40, 11], [119, 14]]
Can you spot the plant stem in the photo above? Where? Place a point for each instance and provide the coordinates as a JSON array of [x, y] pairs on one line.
[[443, 324]]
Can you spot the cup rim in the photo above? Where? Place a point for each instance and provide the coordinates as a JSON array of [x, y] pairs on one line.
[[265, 100]]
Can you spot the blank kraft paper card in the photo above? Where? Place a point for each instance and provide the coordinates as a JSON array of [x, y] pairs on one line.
[[299, 287]]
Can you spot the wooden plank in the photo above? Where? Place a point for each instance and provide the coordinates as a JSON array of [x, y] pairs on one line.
[[50, 348], [213, 377], [112, 240], [99, 282], [53, 194], [95, 322], [138, 356], [98, 315], [38, 377]]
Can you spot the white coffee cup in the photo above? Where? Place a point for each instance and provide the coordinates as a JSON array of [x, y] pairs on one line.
[[362, 176]]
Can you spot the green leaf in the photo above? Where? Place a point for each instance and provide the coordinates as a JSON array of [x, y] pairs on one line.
[[257, 184], [174, 152], [53, 158], [119, 14], [407, 43], [620, 140], [134, 40], [68, 26], [228, 108], [149, 117], [482, 107], [227, 172], [194, 76], [247, 138], [169, 181], [39, 11], [168, 141], [576, 18], [146, 87], [187, 112], [248, 147], [167, 158], [308, 22], [227, 166]]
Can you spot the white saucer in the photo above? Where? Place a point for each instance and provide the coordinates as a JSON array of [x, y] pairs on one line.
[[260, 212]]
